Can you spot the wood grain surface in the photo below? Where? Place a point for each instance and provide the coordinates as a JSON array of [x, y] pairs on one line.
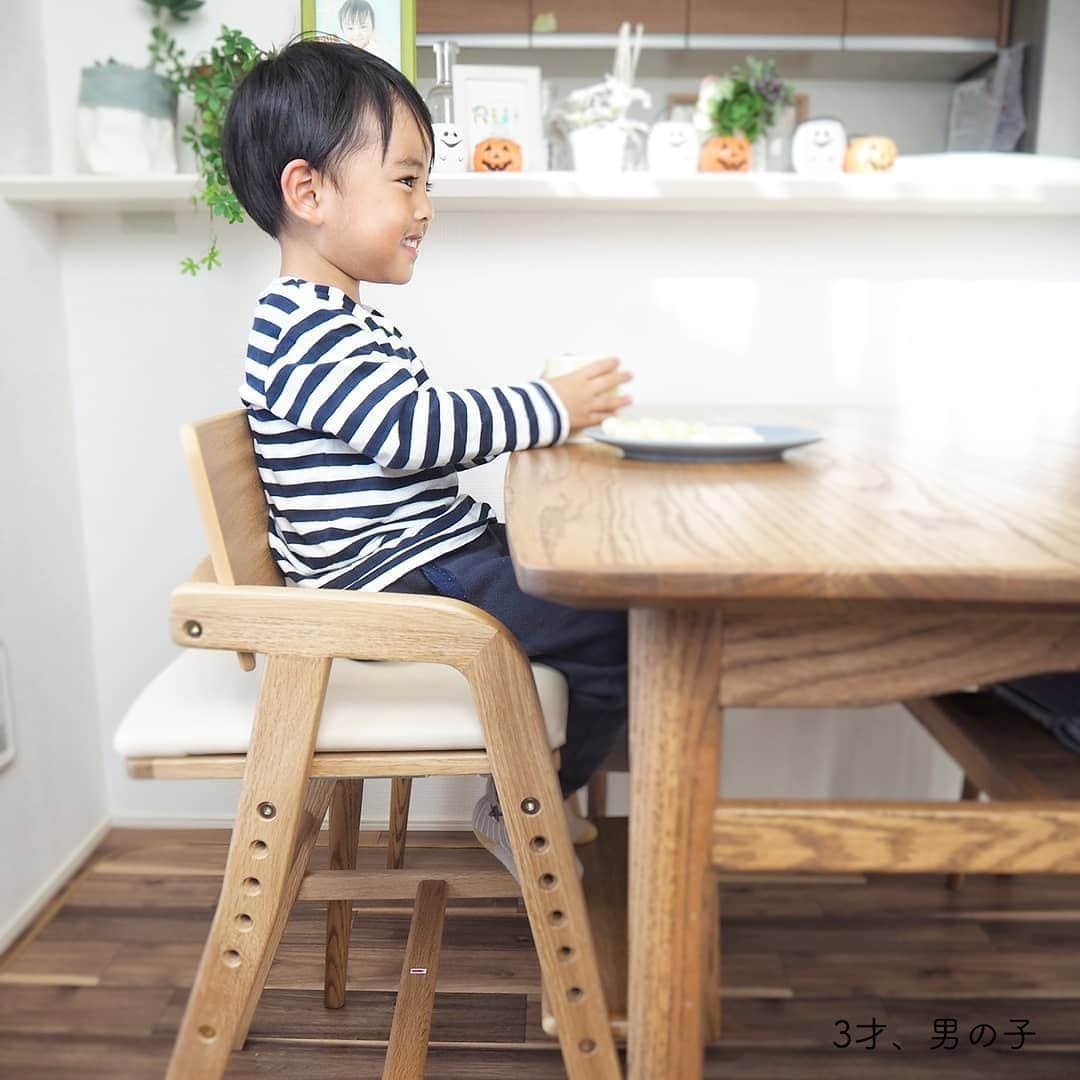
[[891, 505], [799, 953]]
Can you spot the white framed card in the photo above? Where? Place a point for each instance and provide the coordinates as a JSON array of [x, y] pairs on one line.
[[497, 110]]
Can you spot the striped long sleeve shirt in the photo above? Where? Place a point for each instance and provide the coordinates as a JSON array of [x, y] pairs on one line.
[[358, 450]]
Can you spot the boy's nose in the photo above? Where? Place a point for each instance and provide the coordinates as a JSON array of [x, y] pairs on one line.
[[424, 210]]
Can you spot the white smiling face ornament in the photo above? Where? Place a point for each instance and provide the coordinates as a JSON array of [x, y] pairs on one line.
[[449, 148], [818, 148], [673, 148]]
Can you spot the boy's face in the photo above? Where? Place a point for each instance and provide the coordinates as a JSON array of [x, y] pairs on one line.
[[357, 30], [375, 217]]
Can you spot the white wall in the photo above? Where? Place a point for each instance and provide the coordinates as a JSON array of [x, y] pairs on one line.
[[1059, 115], [934, 312], [751, 308], [52, 797]]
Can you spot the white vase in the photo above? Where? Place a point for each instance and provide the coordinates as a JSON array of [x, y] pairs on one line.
[[126, 121], [598, 149], [759, 154]]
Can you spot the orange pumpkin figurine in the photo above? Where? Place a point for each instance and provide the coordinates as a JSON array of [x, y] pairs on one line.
[[497, 155], [725, 153], [870, 154]]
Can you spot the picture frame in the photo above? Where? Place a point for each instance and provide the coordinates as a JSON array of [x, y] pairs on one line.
[[386, 28], [500, 102]]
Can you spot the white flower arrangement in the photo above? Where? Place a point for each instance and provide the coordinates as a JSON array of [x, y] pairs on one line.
[[607, 103], [603, 103], [712, 90]]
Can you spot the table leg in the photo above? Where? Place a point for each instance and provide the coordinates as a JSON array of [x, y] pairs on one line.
[[675, 734]]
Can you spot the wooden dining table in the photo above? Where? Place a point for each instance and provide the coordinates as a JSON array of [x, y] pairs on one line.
[[913, 551]]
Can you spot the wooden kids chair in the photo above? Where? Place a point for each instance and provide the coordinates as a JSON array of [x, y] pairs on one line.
[[316, 730]]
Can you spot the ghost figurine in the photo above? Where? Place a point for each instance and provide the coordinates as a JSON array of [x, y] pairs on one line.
[[449, 148], [673, 148], [818, 147]]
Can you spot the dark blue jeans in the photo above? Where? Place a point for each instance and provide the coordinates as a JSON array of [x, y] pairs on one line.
[[588, 647]]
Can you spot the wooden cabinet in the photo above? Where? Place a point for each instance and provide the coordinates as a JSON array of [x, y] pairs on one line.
[[926, 18], [605, 16], [473, 16], [817, 17]]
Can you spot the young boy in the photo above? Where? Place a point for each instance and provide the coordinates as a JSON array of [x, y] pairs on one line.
[[328, 149]]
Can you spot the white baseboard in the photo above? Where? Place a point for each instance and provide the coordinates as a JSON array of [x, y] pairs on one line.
[[51, 886]]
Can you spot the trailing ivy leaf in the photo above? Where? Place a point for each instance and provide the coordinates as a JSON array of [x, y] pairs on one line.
[[180, 10]]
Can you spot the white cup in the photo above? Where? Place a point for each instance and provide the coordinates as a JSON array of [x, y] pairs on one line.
[[568, 362]]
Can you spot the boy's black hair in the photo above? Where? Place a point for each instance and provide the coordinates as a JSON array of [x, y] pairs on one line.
[[358, 9], [315, 100]]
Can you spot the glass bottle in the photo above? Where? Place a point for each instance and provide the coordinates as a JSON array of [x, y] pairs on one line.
[[440, 98]]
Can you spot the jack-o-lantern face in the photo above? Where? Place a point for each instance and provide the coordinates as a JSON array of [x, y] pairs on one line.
[[497, 155], [870, 154], [725, 153]]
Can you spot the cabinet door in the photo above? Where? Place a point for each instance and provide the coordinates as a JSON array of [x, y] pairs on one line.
[[819, 17], [472, 16], [918, 18], [605, 16]]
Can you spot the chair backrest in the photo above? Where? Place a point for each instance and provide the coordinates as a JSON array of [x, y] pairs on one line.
[[221, 460]]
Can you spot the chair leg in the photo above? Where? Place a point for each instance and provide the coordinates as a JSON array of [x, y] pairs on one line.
[[970, 791], [539, 836], [262, 866], [315, 806], [410, 1030], [597, 792], [713, 1007], [400, 797], [344, 836]]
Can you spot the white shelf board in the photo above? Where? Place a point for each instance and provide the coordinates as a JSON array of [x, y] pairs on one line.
[[569, 191], [86, 194]]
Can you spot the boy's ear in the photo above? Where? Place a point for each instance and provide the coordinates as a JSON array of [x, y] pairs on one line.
[[301, 188]]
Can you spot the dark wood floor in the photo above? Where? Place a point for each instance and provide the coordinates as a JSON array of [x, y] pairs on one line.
[[97, 987]]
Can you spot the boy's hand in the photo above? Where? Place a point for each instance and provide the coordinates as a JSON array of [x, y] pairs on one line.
[[590, 394]]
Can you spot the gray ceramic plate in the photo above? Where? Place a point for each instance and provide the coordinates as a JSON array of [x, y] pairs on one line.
[[775, 440]]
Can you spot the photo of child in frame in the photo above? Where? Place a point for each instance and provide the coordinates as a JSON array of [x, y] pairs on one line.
[[373, 25]]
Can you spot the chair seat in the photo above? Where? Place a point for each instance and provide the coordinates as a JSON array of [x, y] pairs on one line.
[[203, 703]]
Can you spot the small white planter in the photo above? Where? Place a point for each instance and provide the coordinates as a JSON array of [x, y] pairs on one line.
[[599, 148], [126, 121]]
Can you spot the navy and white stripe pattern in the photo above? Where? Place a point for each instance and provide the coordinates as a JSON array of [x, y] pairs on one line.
[[358, 451]]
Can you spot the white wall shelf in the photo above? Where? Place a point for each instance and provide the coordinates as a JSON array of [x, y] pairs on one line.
[[1009, 195]]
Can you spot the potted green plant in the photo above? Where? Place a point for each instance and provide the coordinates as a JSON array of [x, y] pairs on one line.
[[127, 114], [745, 105], [210, 79]]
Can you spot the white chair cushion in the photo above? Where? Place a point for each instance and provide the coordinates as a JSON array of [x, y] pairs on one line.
[[203, 703]]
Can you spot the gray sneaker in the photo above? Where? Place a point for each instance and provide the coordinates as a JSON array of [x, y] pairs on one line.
[[490, 830]]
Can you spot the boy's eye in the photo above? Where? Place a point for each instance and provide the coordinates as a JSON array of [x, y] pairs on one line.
[[410, 180]]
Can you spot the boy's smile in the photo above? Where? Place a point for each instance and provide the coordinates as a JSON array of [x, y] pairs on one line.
[[369, 225]]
